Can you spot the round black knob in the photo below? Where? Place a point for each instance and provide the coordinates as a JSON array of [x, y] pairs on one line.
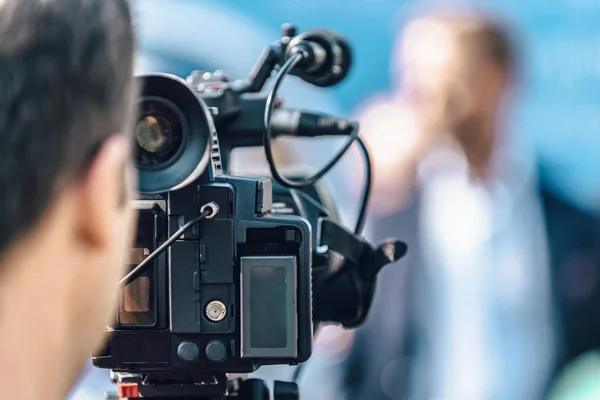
[[188, 351], [216, 351], [288, 30]]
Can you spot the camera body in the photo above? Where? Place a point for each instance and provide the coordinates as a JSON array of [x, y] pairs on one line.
[[223, 267], [232, 294]]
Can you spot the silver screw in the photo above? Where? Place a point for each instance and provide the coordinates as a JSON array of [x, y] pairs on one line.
[[215, 311]]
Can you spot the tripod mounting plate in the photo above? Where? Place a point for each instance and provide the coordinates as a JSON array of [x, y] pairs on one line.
[[207, 387]]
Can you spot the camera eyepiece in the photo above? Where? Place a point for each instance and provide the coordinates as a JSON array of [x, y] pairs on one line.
[[173, 134]]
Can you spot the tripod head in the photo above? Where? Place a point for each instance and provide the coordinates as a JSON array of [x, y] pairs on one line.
[[206, 387]]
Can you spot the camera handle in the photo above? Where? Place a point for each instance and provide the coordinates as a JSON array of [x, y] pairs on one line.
[[215, 387], [344, 295]]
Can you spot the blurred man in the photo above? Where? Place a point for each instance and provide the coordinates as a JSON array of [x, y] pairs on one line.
[[66, 107], [473, 316]]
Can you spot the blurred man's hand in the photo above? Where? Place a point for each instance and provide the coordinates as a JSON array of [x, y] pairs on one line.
[[390, 131]]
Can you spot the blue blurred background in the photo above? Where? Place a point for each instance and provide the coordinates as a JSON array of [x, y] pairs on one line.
[[561, 41]]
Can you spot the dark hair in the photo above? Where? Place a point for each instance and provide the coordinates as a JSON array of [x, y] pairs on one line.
[[496, 42], [66, 85]]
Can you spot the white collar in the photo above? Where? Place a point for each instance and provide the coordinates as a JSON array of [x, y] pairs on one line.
[[512, 166]]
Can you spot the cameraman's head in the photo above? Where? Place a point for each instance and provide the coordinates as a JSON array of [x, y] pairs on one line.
[[66, 106]]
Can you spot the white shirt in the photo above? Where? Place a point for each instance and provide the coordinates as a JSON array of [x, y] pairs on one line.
[[490, 322]]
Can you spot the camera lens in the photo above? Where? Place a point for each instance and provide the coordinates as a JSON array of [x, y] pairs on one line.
[[159, 134], [154, 134]]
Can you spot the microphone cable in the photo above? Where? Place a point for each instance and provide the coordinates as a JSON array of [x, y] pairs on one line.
[[302, 183]]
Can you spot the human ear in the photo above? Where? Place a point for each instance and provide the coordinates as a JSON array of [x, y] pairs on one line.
[[103, 191]]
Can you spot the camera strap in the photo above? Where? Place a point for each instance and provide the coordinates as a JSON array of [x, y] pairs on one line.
[[345, 295]]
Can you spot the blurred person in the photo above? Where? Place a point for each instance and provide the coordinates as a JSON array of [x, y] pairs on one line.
[[483, 308], [67, 100]]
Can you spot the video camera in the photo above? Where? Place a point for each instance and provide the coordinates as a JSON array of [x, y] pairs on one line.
[[230, 273]]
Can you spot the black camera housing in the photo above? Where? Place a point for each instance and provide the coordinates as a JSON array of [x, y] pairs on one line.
[[256, 265], [223, 268], [233, 291]]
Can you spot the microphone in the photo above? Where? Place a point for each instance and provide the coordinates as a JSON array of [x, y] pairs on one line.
[[285, 121], [326, 57]]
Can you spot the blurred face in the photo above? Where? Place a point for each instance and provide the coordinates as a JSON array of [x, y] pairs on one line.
[[448, 81]]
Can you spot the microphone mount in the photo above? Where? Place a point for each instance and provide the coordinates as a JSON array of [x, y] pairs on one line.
[[326, 57]]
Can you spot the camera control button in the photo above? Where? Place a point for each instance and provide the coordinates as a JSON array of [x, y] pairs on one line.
[[188, 351], [290, 235], [216, 351]]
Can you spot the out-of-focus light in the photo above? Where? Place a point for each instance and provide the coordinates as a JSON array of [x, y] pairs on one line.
[[334, 341], [390, 130]]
